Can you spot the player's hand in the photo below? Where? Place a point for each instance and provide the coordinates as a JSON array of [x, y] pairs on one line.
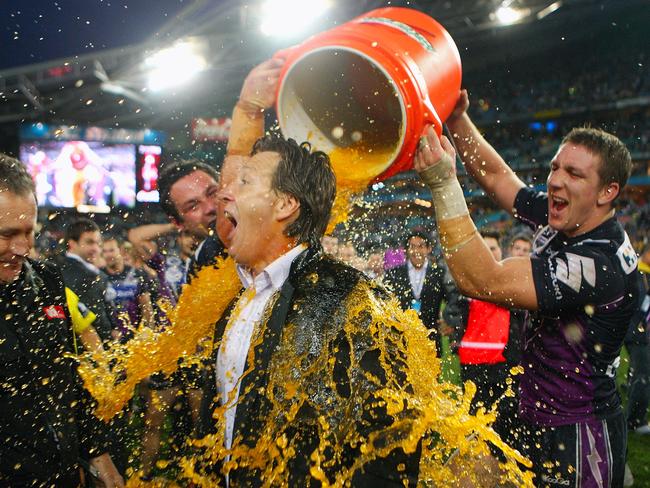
[[106, 473], [433, 151], [261, 84], [461, 106]]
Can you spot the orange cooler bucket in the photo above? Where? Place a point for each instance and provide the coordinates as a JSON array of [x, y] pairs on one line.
[[371, 85]]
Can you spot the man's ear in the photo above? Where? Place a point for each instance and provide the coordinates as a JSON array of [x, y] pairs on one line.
[[608, 193], [287, 207]]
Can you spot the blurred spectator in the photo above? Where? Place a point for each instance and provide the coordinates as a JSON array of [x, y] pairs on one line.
[[131, 291], [419, 284], [90, 284]]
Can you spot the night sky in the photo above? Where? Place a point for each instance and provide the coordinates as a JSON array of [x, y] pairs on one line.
[[39, 30]]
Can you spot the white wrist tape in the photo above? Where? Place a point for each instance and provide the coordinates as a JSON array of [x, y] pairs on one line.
[[447, 195]]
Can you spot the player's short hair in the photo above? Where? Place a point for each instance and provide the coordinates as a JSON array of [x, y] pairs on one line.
[[14, 177], [615, 159], [77, 227], [417, 232], [521, 237]]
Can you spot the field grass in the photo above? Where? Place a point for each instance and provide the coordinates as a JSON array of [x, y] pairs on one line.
[[638, 449]]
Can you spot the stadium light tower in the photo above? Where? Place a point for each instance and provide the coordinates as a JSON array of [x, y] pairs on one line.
[[175, 65], [286, 18]]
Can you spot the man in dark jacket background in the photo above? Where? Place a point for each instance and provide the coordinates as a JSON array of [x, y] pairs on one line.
[[420, 283], [83, 241]]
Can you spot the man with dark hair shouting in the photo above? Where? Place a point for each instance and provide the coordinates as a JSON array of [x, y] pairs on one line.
[[294, 304], [579, 285]]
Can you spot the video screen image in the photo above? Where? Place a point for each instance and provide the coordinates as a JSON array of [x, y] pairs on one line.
[[73, 173], [147, 173]]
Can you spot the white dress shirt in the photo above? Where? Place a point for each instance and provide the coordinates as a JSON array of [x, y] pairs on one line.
[[416, 277], [248, 312]]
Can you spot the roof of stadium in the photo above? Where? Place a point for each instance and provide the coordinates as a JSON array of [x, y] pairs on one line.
[[87, 65]]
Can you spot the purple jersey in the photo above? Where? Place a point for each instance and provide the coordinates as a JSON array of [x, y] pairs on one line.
[[586, 295], [124, 291]]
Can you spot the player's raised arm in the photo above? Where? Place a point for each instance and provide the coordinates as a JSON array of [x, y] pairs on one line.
[[481, 160], [476, 272]]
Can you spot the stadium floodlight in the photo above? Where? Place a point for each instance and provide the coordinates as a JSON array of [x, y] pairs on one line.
[[174, 66], [286, 18], [508, 15]]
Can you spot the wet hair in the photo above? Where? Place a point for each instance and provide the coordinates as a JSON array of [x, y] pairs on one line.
[[615, 159], [307, 176], [421, 233], [14, 177], [77, 227], [174, 172]]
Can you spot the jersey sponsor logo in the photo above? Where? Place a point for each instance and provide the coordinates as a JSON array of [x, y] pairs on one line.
[[627, 256], [54, 312], [612, 368], [542, 239], [574, 270], [555, 481]]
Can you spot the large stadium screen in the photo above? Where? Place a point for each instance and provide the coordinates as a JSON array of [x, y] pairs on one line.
[[81, 173], [147, 173]]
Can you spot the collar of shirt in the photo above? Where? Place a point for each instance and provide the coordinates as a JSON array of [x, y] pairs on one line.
[[419, 272], [275, 274], [88, 265], [416, 277]]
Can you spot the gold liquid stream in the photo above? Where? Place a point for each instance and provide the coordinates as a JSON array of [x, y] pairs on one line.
[[355, 167], [455, 442], [112, 376]]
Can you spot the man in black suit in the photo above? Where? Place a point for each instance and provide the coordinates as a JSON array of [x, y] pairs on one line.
[[294, 302], [420, 283], [83, 243]]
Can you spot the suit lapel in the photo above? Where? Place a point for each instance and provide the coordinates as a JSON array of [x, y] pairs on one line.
[[406, 280]]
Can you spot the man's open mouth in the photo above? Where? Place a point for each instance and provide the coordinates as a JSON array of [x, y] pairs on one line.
[[230, 218], [558, 204]]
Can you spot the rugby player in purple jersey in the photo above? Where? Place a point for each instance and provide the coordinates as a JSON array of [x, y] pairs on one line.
[[579, 285]]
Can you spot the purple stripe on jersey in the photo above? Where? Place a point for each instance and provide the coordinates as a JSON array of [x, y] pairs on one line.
[[594, 468], [556, 387], [613, 305]]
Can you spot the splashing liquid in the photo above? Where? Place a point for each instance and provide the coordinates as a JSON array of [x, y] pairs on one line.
[[420, 408], [111, 376], [355, 166], [428, 412]]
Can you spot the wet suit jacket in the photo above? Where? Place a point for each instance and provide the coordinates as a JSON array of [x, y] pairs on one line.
[[46, 424], [311, 305]]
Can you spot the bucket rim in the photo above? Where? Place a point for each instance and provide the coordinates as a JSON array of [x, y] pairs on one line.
[[331, 47]]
